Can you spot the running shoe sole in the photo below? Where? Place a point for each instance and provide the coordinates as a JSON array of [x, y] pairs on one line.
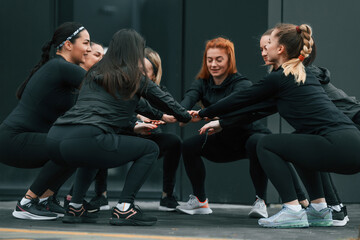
[[293, 224], [195, 211], [30, 216]]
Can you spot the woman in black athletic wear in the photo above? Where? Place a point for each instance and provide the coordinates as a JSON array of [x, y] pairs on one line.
[[324, 139], [217, 79], [95, 132], [46, 94]]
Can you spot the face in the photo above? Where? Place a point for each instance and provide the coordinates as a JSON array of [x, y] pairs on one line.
[[80, 48], [96, 54], [263, 48], [217, 62], [149, 69], [273, 48]]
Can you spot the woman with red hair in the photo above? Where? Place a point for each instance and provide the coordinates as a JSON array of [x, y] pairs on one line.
[[217, 79]]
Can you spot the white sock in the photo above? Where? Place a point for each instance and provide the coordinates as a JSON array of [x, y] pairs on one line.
[[336, 208], [43, 199], [75, 205], [295, 208], [123, 206], [24, 201], [319, 206]]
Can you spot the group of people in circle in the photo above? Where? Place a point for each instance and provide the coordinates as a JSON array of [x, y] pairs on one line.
[[83, 112]]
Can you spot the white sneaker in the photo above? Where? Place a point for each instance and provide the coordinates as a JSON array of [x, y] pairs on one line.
[[194, 206], [258, 209], [286, 218]]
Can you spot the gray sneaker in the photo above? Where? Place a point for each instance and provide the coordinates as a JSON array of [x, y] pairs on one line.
[[286, 218], [258, 209], [322, 218], [194, 206]]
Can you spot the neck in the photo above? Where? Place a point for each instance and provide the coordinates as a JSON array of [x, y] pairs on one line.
[[280, 62], [65, 56], [219, 80]]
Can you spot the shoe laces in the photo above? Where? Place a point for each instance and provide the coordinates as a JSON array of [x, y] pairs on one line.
[[192, 200]]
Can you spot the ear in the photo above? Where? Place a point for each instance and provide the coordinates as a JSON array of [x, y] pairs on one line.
[[68, 45], [281, 49]]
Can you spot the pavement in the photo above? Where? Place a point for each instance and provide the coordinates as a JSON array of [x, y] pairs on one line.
[[227, 222]]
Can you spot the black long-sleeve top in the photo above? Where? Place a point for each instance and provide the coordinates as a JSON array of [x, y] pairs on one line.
[[50, 92], [97, 107], [306, 107], [206, 91]]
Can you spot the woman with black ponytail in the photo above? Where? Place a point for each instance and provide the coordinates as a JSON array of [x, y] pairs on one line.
[[48, 92]]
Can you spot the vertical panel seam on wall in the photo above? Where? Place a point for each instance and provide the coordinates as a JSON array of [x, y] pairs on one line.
[[182, 82]]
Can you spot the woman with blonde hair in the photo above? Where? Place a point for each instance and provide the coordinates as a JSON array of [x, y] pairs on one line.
[[325, 139]]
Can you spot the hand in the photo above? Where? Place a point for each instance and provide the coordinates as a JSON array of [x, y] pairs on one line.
[[168, 118], [195, 116], [143, 118], [144, 128], [212, 127]]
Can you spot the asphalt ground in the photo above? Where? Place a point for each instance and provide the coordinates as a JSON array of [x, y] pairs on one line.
[[226, 222]]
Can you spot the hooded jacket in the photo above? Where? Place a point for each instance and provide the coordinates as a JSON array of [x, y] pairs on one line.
[[350, 106]]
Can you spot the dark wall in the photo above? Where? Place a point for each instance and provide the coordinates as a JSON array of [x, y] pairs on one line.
[[23, 33], [242, 22]]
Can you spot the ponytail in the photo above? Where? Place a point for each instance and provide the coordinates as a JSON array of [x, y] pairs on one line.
[[45, 56], [298, 43]]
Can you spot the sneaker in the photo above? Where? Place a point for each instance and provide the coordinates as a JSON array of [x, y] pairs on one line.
[[338, 217], [168, 203], [322, 218], [194, 206], [286, 218], [132, 217], [33, 211], [258, 209], [66, 202], [98, 203], [79, 215], [53, 205], [343, 208]]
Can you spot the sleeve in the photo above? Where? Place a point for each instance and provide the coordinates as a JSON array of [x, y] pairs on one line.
[[260, 91], [163, 100], [192, 95], [74, 74], [144, 108], [247, 115]]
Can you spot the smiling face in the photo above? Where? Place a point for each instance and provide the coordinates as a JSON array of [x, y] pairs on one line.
[[263, 48], [96, 54], [80, 48], [217, 61]]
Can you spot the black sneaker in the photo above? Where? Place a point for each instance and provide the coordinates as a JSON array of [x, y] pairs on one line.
[[168, 203], [79, 215], [338, 217], [98, 203], [53, 205], [343, 208], [33, 211], [132, 217]]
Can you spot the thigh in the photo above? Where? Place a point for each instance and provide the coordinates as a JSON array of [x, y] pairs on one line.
[[23, 150], [105, 150], [307, 151], [219, 150]]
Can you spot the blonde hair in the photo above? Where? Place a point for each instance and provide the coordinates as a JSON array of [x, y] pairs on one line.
[[155, 60], [298, 45]]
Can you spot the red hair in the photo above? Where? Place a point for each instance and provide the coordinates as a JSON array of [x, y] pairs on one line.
[[222, 43]]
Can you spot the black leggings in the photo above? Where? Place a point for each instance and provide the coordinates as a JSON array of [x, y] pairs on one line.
[[28, 150], [22, 149], [89, 148], [334, 152], [215, 149]]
